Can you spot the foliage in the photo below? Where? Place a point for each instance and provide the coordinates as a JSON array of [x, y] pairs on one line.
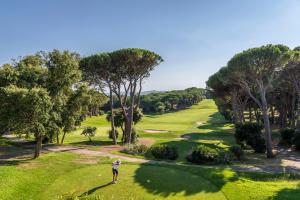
[[250, 134], [164, 152], [237, 151], [136, 149], [89, 132], [203, 154], [296, 141], [110, 134], [172, 100], [25, 111], [287, 136]]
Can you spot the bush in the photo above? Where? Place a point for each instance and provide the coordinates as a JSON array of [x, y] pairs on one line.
[[237, 151], [101, 112], [203, 154], [250, 134], [259, 144], [224, 157], [110, 135], [164, 152], [287, 136], [89, 132], [134, 136], [296, 141], [136, 149]]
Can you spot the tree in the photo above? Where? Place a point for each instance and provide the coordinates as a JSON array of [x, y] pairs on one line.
[[256, 69], [227, 91], [119, 118], [89, 132], [292, 72], [130, 67], [63, 73], [8, 76], [75, 106], [98, 72], [26, 111]]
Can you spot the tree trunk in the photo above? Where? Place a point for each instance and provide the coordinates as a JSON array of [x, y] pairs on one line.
[[268, 132], [38, 145], [250, 114], [234, 107], [257, 116], [113, 128], [63, 138], [293, 114], [57, 137], [298, 115], [272, 114]]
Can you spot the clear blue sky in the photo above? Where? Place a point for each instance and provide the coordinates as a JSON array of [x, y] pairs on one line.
[[194, 37]]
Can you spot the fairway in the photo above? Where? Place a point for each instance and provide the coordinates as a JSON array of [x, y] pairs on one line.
[[66, 175], [62, 175]]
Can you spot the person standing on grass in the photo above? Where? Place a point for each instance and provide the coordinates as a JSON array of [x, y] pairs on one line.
[[115, 170]]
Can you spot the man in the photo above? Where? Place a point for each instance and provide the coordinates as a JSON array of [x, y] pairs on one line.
[[115, 167]]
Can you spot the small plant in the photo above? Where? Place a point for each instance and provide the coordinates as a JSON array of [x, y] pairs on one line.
[[89, 132], [287, 136], [203, 154], [136, 149], [237, 151], [110, 134], [164, 152]]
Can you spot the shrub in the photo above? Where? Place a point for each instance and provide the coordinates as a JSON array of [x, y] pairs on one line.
[[259, 144], [245, 132], [224, 157], [164, 152], [89, 132], [296, 141], [101, 112], [136, 149], [110, 135], [237, 151], [287, 136], [250, 134], [134, 136], [203, 154]]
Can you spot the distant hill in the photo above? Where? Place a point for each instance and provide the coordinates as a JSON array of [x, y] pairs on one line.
[[151, 92]]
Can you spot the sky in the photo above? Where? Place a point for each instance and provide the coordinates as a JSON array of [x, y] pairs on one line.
[[194, 37]]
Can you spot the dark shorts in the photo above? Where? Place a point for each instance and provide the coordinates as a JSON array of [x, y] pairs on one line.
[[115, 171]]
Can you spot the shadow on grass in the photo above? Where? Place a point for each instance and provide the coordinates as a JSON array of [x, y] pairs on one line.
[[91, 191], [169, 180], [5, 162], [290, 194], [93, 143]]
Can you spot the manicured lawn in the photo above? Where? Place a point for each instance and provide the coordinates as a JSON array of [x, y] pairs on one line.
[[60, 175], [201, 123]]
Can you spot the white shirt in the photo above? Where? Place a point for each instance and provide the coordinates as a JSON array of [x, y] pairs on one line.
[[116, 164]]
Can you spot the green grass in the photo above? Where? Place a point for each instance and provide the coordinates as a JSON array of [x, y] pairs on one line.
[[201, 122], [57, 175], [61, 175]]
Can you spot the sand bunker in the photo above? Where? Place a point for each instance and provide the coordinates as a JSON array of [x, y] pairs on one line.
[[155, 131], [199, 123], [146, 141]]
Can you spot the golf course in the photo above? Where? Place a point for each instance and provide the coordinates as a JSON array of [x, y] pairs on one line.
[[69, 175], [149, 100]]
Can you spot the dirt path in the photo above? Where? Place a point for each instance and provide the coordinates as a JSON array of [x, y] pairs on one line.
[[286, 162], [287, 167]]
